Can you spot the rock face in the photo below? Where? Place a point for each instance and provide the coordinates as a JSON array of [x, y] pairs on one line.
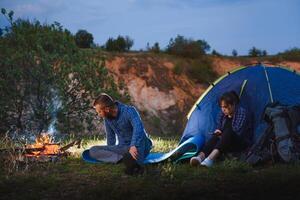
[[163, 97]]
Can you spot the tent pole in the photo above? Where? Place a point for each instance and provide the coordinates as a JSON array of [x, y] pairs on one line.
[[242, 88], [269, 86]]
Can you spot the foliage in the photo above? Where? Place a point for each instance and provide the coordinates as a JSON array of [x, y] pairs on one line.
[[155, 48], [83, 39], [178, 69], [291, 55], [234, 53], [40, 63], [184, 47], [264, 53], [215, 53], [255, 52], [120, 44], [201, 70]]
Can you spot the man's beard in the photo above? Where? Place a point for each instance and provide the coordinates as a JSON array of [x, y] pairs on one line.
[[109, 116]]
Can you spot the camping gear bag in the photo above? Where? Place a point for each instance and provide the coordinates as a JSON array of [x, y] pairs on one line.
[[286, 122], [281, 140], [263, 150]]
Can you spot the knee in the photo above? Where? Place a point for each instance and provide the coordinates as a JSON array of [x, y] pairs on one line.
[[94, 150]]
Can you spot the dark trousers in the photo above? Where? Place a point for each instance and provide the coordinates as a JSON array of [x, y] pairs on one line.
[[229, 141]]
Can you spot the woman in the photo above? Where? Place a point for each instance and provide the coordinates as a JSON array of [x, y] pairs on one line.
[[233, 134]]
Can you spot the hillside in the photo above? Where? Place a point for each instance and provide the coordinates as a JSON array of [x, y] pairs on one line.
[[163, 96]]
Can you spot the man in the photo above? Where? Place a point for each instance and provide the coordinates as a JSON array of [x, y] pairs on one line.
[[126, 137]]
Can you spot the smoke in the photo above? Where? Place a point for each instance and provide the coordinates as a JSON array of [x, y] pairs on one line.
[[54, 107]]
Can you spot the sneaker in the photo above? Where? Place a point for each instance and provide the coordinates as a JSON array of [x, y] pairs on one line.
[[195, 161], [207, 162]]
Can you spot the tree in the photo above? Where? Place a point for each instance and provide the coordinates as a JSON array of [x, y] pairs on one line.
[[184, 47], [292, 54], [148, 48], [254, 52], [234, 53], [215, 53], [155, 48], [40, 64], [120, 44], [264, 53], [83, 39], [203, 45], [128, 43]]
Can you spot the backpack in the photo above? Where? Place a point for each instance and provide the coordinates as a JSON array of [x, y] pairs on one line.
[[281, 140], [262, 150], [285, 120]]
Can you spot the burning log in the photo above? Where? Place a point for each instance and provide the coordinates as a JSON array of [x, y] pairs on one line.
[[45, 147], [76, 142]]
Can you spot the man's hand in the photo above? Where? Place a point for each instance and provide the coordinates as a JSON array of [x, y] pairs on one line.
[[218, 132], [133, 152]]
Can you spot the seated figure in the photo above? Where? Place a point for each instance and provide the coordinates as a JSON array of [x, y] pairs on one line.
[[127, 139], [234, 131]]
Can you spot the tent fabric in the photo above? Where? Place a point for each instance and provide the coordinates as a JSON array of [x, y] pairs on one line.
[[258, 85]]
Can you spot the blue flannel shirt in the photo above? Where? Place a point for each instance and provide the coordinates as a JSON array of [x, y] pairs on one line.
[[127, 127], [242, 124]]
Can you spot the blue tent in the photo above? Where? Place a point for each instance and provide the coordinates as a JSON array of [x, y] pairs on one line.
[[257, 86]]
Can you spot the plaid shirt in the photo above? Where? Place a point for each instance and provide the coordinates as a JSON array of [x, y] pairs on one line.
[[241, 123], [127, 127]]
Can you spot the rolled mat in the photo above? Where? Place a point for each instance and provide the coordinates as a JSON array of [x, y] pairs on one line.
[[185, 150]]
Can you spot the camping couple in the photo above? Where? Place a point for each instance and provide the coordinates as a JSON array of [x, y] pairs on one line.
[[127, 140]]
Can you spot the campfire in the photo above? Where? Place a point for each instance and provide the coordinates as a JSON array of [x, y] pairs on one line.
[[45, 148], [17, 156]]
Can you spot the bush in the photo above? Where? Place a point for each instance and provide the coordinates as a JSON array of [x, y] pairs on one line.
[[184, 47], [120, 44], [178, 69], [234, 53], [255, 52], [291, 55], [84, 39], [201, 70], [44, 76], [215, 53], [155, 48]]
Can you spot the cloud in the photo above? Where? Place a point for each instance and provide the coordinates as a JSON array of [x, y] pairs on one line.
[[34, 9], [225, 24]]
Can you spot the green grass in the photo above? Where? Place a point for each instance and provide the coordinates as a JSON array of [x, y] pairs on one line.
[[160, 144], [72, 178]]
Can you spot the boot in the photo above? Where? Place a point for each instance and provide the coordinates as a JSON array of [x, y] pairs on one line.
[[131, 166]]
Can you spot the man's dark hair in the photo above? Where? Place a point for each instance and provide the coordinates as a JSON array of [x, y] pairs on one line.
[[230, 98], [104, 99]]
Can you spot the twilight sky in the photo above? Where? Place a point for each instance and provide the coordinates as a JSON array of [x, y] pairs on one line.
[[273, 25]]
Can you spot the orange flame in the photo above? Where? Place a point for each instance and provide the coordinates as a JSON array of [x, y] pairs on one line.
[[43, 146]]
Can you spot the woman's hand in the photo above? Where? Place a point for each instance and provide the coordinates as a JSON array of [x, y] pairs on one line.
[[218, 132]]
